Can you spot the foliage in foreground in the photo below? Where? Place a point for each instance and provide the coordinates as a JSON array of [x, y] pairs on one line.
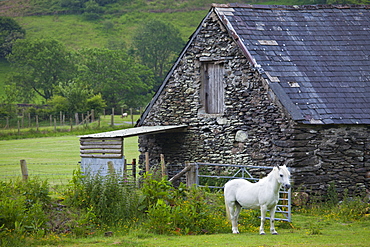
[[111, 199], [95, 205], [22, 207], [182, 210]]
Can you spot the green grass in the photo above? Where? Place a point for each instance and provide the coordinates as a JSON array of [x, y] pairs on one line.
[[51, 150], [52, 158], [45, 130], [78, 33], [331, 233]]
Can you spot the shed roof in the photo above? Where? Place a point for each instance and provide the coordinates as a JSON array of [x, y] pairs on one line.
[[144, 130], [315, 58]]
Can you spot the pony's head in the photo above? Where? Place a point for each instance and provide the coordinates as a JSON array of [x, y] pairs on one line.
[[283, 176]]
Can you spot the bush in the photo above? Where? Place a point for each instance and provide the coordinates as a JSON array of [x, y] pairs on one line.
[[198, 213], [22, 205], [348, 209], [181, 210], [111, 199], [154, 189]]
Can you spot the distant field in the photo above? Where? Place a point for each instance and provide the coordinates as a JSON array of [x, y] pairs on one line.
[[52, 158]]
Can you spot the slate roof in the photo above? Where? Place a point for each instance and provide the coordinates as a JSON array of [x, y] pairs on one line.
[[316, 58]]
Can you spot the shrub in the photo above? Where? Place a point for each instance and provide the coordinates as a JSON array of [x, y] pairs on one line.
[[111, 199], [154, 189], [182, 211], [22, 205], [349, 209]]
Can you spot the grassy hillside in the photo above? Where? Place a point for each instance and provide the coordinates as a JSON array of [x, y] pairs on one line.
[[77, 33], [116, 24], [109, 31]]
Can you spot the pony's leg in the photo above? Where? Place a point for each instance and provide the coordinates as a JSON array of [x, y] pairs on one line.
[[234, 216], [263, 219], [272, 221]]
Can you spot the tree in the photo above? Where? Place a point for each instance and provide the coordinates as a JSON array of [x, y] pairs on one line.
[[92, 10], [10, 31], [157, 44], [72, 97], [40, 64], [116, 76]]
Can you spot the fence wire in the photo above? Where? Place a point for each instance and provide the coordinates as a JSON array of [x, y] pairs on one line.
[[53, 173]]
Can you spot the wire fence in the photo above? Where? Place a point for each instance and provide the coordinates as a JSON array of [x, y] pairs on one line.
[[55, 174]]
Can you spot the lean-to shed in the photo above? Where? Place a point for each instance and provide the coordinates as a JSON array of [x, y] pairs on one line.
[[96, 150], [268, 85]]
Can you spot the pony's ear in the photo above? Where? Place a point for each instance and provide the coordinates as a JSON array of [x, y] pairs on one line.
[[277, 166]]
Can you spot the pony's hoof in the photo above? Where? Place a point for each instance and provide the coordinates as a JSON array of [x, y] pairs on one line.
[[262, 233], [275, 233]]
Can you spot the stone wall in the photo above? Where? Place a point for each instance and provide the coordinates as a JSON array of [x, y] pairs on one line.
[[331, 154], [253, 130], [243, 134]]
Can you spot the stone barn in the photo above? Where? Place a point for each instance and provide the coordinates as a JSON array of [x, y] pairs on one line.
[[266, 85]]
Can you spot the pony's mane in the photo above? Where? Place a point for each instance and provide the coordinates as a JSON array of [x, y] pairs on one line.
[[268, 175]]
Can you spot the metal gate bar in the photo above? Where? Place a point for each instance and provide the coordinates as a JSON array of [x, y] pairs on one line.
[[284, 196]]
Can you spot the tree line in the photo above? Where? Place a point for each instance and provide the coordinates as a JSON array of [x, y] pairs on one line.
[[91, 78]]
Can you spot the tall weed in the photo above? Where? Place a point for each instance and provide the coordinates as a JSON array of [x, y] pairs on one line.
[[111, 199], [181, 210], [198, 213], [22, 205], [348, 209]]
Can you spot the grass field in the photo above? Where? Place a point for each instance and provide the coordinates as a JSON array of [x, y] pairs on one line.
[[52, 158], [307, 230]]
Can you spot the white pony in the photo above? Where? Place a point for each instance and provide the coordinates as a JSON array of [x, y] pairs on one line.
[[263, 195]]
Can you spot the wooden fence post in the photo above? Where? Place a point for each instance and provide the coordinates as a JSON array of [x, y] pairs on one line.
[[147, 162], [111, 168], [22, 118], [24, 170], [191, 176], [163, 166], [132, 117], [134, 168], [76, 117], [178, 175], [92, 115], [112, 118], [37, 123], [125, 169]]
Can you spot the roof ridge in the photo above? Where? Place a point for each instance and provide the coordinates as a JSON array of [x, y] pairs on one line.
[[293, 7]]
